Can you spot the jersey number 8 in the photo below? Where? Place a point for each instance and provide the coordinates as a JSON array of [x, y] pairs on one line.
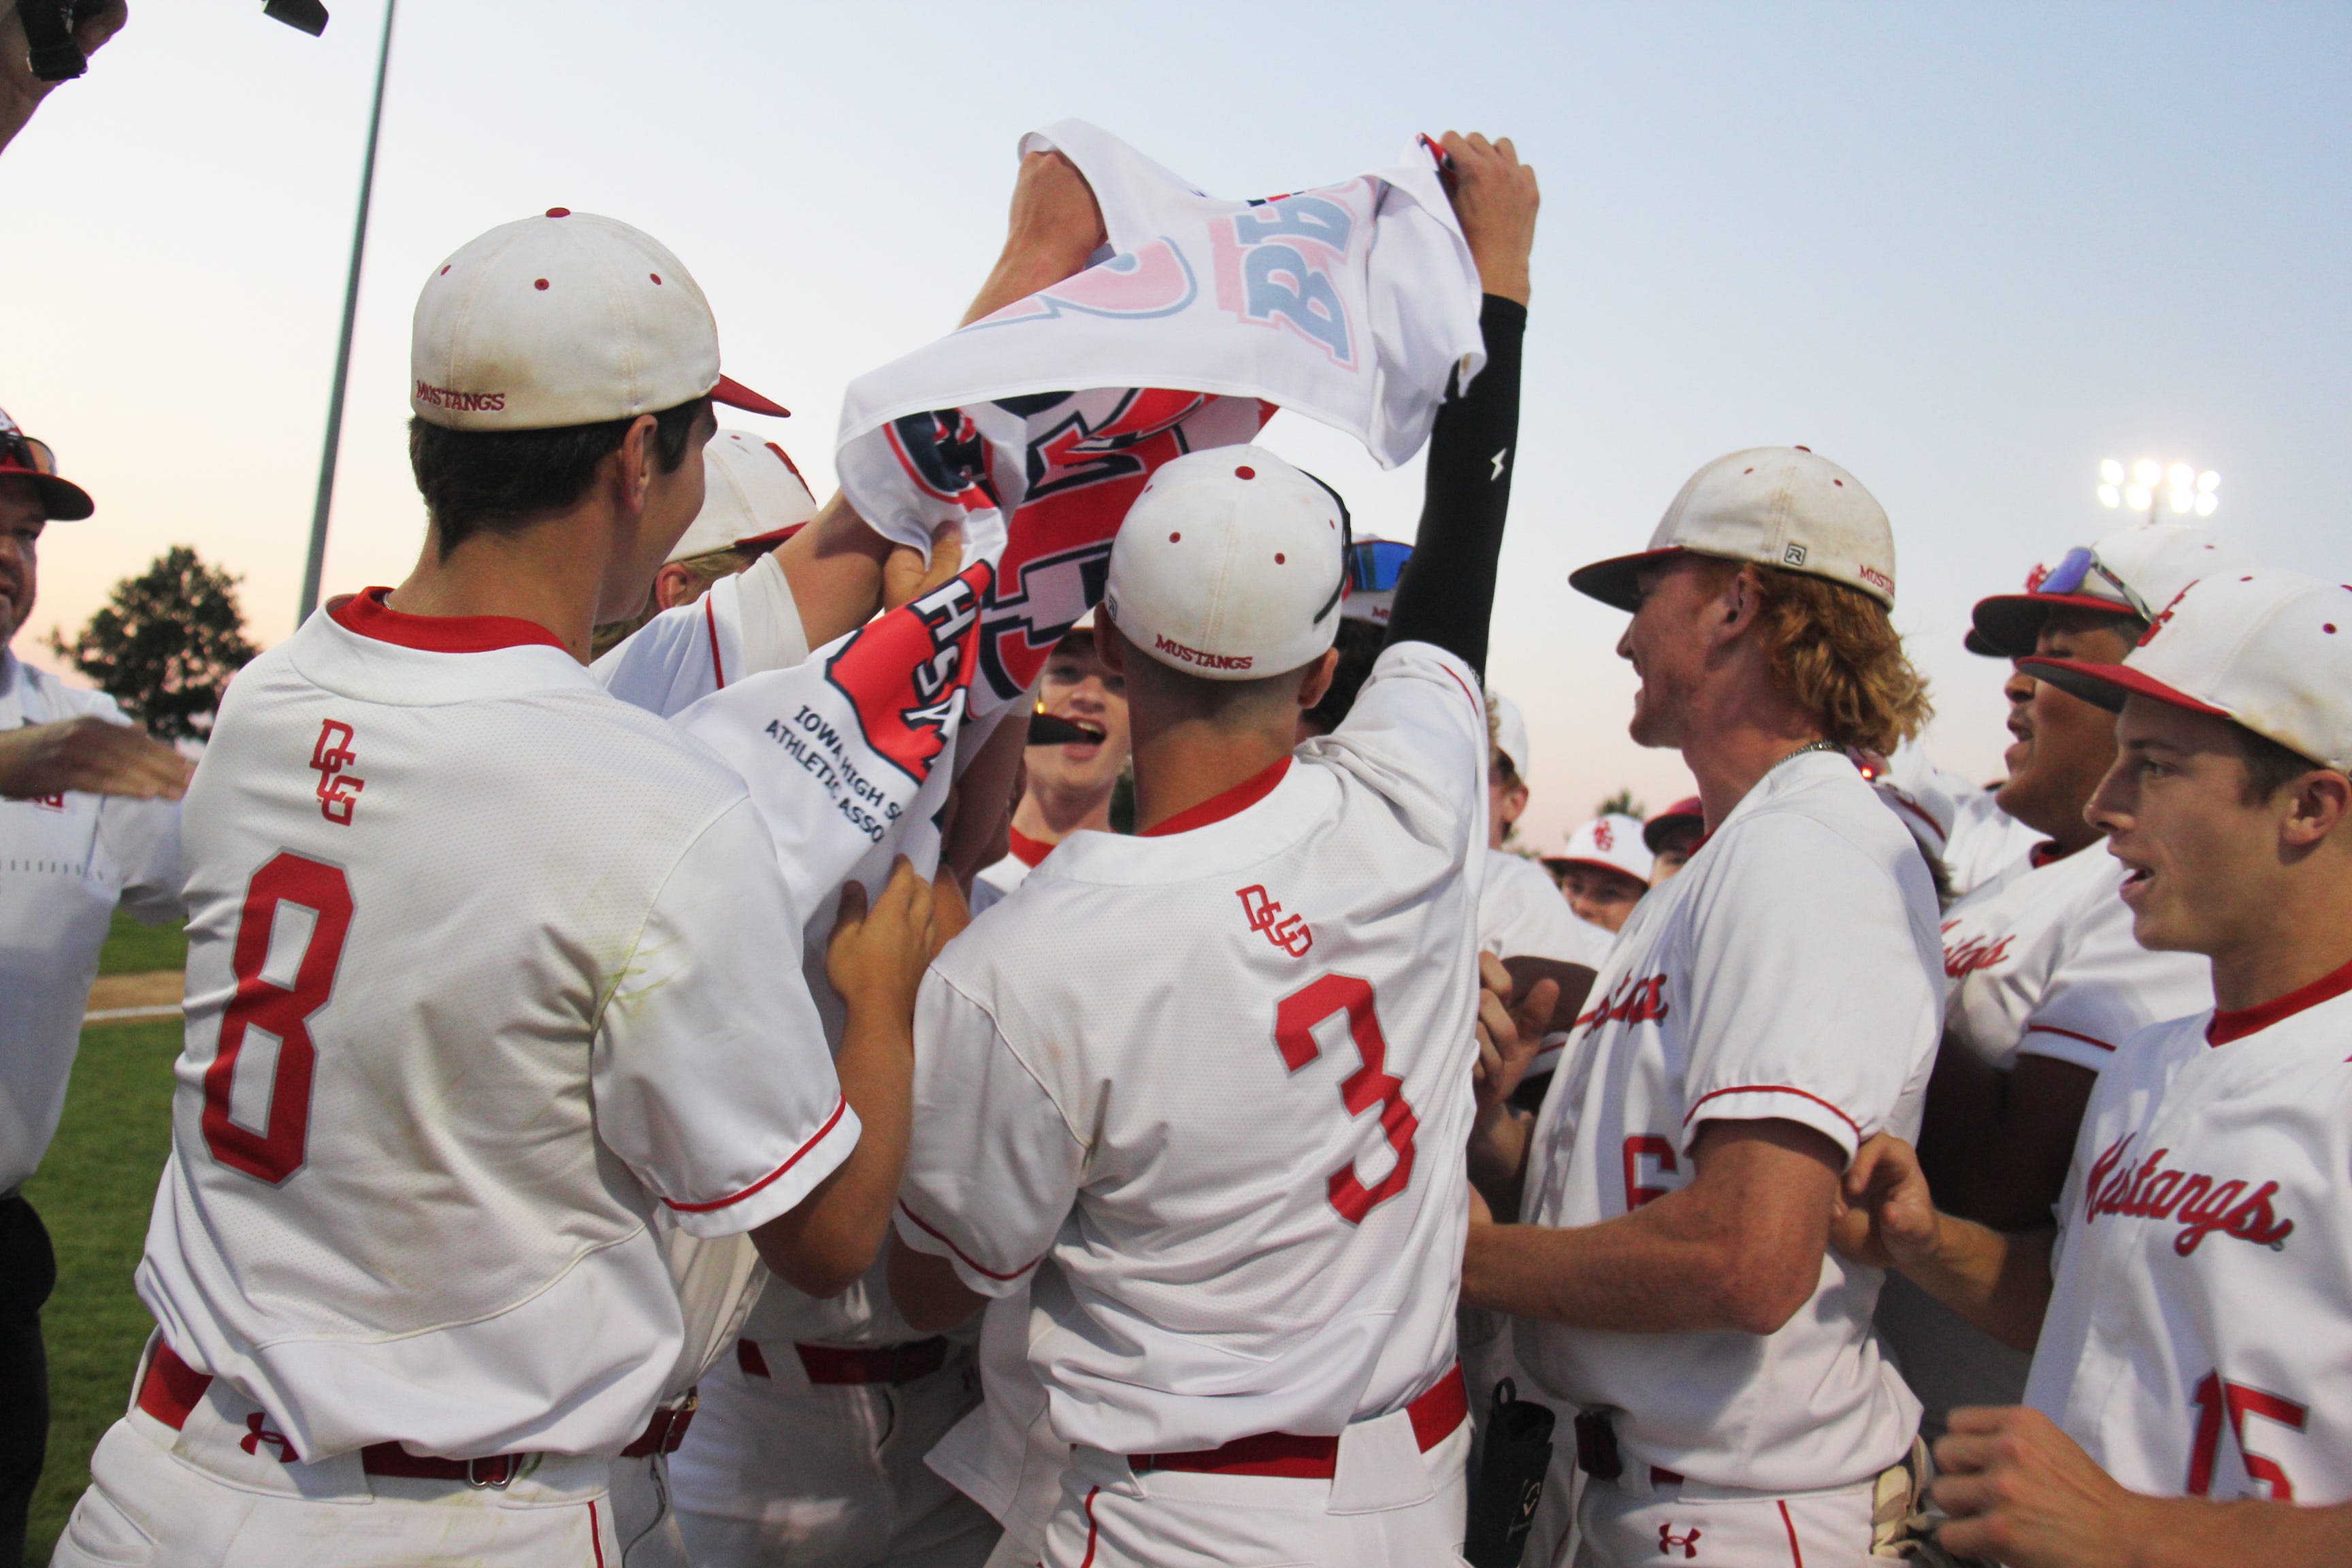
[[1295, 1017], [281, 1010]]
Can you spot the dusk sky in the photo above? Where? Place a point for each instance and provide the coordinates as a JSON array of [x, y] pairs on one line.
[[1967, 252]]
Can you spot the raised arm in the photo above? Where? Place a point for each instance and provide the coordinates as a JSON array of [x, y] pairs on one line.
[[1447, 595]]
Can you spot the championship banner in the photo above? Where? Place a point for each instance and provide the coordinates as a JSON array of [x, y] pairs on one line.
[[1353, 304]]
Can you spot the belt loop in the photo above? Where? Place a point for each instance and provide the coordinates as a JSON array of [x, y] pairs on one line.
[[503, 1478]]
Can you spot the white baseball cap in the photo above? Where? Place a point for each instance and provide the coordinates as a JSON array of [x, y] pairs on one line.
[[752, 496], [2271, 650], [1613, 843], [2134, 571], [1230, 565], [1509, 727], [1777, 506], [566, 319]]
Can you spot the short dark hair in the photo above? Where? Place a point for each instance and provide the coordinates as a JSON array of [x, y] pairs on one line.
[[497, 481], [1360, 644], [2270, 767]]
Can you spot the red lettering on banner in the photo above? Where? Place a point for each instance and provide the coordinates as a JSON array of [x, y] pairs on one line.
[[330, 755], [2203, 1205], [1265, 915]]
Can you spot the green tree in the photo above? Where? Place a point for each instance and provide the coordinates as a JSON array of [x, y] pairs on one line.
[[165, 643], [1622, 803]]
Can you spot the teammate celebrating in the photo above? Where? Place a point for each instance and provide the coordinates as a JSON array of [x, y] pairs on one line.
[[1765, 1011], [1125, 1137], [2044, 977], [2195, 1334], [485, 966], [1068, 786], [1604, 870]]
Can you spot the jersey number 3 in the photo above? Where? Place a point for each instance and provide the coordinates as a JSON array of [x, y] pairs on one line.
[[1295, 1017], [279, 1010]]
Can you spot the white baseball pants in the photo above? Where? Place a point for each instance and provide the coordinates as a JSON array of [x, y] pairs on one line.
[[778, 1472], [1669, 1525]]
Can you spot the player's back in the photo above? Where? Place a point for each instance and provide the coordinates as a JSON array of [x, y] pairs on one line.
[[417, 883], [1258, 1080]]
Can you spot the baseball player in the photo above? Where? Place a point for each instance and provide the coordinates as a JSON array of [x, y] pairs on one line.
[[1521, 912], [1249, 1367], [1672, 837], [753, 500], [1762, 1014], [483, 972], [2044, 977], [2187, 1314], [1373, 567], [89, 822], [1603, 869], [1067, 788]]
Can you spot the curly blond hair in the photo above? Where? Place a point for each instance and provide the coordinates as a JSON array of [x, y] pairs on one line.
[[1835, 650]]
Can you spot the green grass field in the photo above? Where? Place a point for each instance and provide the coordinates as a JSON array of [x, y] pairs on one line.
[[93, 1191]]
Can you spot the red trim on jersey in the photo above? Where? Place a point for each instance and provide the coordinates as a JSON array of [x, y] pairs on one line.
[[710, 623], [2227, 1027], [2070, 1034], [1795, 1555], [595, 1536], [1218, 807], [1771, 1088], [365, 614], [1088, 1561], [1436, 1413], [840, 1108], [1028, 850], [970, 1262]]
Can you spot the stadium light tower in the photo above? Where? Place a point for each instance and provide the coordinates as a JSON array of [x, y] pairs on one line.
[[2179, 486]]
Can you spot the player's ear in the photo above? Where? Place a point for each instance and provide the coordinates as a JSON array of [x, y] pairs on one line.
[[2319, 803], [1315, 678], [635, 470], [672, 587]]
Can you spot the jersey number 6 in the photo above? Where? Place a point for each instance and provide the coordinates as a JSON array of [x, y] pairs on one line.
[[1295, 1017], [281, 1010]]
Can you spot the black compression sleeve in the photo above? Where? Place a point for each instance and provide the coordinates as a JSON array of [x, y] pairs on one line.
[[1447, 595]]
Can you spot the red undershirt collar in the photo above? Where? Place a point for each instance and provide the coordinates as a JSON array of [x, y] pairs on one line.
[[366, 614], [1217, 807], [1028, 850], [2046, 853], [2227, 1027]]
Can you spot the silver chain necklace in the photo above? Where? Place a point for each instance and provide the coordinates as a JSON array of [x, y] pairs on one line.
[[1810, 746]]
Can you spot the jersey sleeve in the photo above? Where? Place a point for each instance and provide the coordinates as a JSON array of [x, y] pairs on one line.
[[1522, 915], [143, 837], [1417, 736], [1816, 1006], [992, 1168], [745, 623], [2108, 987], [710, 1072]]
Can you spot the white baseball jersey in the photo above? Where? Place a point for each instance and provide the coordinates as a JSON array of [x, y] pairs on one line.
[[65, 862], [2039, 960], [746, 623], [1523, 914], [1790, 972], [1273, 1099], [1983, 841], [2197, 1341], [481, 970]]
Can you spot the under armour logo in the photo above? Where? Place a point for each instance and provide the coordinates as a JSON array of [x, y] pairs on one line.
[[256, 1435], [1265, 915], [338, 794], [1499, 455], [1668, 1541]]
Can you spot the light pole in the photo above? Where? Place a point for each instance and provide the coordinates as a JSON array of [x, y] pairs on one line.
[[2182, 487], [315, 564]]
